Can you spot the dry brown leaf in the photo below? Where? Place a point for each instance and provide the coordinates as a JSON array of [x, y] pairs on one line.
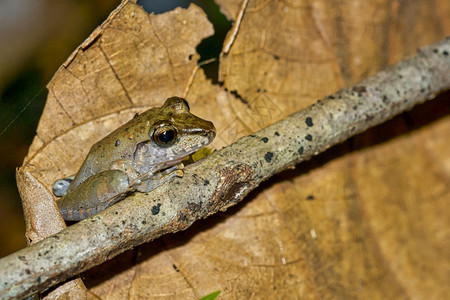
[[367, 219], [42, 220]]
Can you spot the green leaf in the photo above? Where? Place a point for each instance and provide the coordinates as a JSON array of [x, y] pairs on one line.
[[211, 296]]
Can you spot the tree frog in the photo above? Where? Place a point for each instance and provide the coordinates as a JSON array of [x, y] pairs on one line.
[[138, 156]]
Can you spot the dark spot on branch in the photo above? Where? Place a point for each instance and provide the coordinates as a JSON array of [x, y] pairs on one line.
[[265, 140], [309, 122], [276, 57], [175, 268], [445, 52], [117, 143], [369, 118], [23, 259], [276, 133], [206, 182], [385, 99], [268, 156], [155, 209], [360, 90], [135, 116], [300, 150], [309, 137]]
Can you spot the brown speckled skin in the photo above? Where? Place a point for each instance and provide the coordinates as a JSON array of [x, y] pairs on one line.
[[132, 148]]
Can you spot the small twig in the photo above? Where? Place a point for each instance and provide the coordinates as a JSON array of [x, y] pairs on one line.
[[231, 37], [226, 176], [187, 88]]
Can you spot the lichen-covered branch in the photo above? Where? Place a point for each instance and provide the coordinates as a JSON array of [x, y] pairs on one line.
[[226, 176]]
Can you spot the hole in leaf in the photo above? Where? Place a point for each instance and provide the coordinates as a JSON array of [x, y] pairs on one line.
[[211, 46]]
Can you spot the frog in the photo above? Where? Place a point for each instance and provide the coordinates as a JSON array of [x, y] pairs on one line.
[[139, 156]]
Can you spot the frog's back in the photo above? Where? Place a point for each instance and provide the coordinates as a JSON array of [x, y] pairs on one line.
[[119, 144]]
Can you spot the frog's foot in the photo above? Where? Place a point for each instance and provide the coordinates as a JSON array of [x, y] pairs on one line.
[[145, 184], [156, 173], [61, 185]]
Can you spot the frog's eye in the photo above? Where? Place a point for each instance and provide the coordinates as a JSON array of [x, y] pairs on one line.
[[165, 136]]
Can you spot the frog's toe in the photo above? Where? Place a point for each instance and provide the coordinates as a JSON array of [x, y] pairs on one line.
[[60, 186]]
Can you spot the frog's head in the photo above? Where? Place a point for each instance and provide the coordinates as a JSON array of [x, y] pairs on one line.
[[174, 134]]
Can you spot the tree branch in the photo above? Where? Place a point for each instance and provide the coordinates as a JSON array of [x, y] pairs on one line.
[[225, 177]]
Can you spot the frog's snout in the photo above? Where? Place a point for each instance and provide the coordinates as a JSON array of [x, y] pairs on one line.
[[211, 132]]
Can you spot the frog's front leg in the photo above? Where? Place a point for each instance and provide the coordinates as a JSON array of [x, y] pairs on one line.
[[151, 181], [94, 195], [138, 174], [125, 166]]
